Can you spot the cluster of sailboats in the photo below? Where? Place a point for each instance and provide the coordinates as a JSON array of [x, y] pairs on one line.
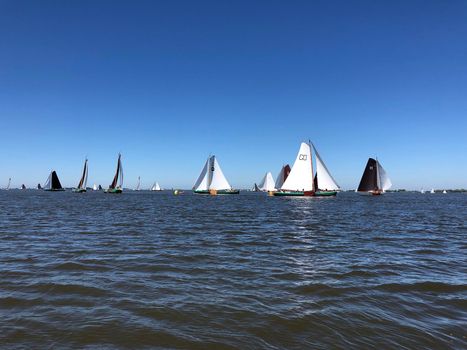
[[299, 180], [308, 177]]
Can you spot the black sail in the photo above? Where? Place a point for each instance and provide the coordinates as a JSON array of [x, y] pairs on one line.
[[56, 185], [39, 187], [81, 182], [115, 180], [369, 181]]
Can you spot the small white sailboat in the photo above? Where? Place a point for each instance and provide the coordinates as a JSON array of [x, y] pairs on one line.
[[212, 180], [267, 184], [156, 187], [422, 191], [432, 191], [84, 179], [374, 179], [94, 187], [444, 192], [53, 183], [138, 184]]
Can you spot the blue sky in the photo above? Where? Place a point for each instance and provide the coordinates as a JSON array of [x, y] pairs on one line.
[[168, 83]]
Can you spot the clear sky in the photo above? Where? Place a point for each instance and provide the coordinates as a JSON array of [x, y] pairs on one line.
[[169, 82]]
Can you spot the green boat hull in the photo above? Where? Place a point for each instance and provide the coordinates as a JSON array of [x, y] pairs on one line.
[[220, 192], [294, 194], [325, 193], [113, 190], [79, 190]]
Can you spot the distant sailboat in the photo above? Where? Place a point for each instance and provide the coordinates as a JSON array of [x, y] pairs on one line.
[[422, 191], [39, 187], [94, 187], [267, 184], [99, 188], [53, 183], [283, 174], [432, 190], [9, 183], [324, 183], [138, 184], [212, 180], [117, 183], [23, 187], [255, 188], [374, 179], [300, 180], [156, 187], [444, 192], [84, 179]]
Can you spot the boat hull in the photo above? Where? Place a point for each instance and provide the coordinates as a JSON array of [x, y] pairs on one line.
[[219, 192], [113, 190], [79, 190], [54, 190], [294, 194], [325, 193], [370, 193]]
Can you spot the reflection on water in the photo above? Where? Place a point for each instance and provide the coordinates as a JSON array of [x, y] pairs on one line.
[[238, 272]]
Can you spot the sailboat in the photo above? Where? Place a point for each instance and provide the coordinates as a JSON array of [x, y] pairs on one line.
[[116, 185], [99, 188], [212, 180], [267, 184], [39, 187], [53, 183], [138, 184], [432, 190], [84, 179], [324, 183], [9, 183], [23, 187], [283, 174], [300, 180], [422, 191], [156, 187], [374, 179], [255, 188], [94, 187], [444, 192]]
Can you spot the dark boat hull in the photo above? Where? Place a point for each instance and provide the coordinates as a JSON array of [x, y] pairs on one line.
[[220, 192], [294, 194], [325, 193]]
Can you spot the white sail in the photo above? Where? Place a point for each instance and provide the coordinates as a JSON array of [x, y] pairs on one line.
[[202, 184], [120, 183], [325, 179], [384, 181], [158, 188], [138, 184], [48, 183], [86, 177], [268, 183], [301, 175], [94, 188], [218, 180]]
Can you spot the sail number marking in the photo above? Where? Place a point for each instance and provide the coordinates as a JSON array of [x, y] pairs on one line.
[[302, 156]]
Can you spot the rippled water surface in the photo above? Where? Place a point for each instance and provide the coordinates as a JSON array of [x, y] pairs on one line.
[[153, 270]]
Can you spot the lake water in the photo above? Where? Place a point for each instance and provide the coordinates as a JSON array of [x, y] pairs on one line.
[[153, 270]]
